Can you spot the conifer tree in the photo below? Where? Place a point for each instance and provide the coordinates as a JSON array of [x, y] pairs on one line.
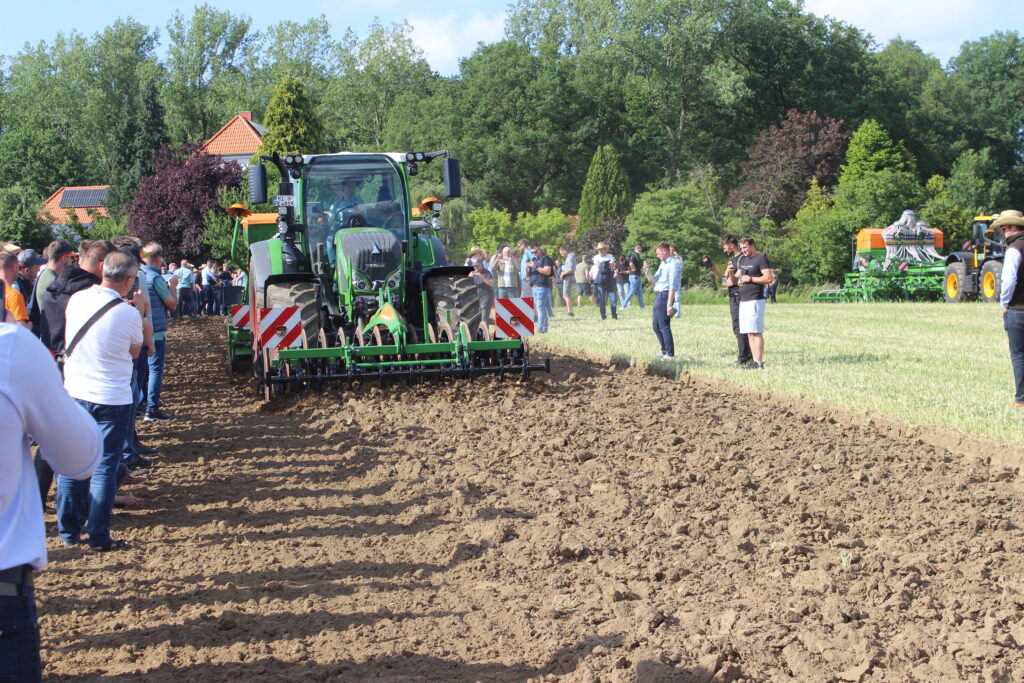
[[606, 191], [292, 125]]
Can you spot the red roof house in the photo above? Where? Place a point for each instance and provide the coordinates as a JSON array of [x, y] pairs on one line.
[[86, 201], [237, 140]]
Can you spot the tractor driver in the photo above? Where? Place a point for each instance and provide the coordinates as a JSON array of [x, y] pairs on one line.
[[345, 205]]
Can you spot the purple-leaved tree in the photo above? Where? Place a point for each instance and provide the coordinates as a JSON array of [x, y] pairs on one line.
[[170, 204]]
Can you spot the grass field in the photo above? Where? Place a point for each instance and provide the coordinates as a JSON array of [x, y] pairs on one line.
[[926, 364]]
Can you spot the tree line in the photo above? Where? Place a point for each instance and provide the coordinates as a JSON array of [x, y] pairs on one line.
[[650, 119]]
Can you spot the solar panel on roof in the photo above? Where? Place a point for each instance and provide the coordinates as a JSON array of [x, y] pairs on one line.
[[83, 198]]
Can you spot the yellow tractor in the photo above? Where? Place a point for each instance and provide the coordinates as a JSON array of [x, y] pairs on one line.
[[978, 269]]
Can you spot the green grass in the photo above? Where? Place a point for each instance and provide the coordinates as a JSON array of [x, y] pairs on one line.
[[921, 363]]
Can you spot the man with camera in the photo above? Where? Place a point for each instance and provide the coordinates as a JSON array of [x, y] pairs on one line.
[[730, 246]]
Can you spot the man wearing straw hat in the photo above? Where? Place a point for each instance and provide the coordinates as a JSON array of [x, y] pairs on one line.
[[1011, 295]]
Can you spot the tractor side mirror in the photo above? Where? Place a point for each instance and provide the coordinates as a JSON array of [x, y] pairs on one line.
[[452, 178], [257, 184]]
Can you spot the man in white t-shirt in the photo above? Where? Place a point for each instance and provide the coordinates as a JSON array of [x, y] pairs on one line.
[[33, 406], [98, 374]]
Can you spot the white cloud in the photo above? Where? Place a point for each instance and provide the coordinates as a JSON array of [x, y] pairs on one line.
[[445, 38]]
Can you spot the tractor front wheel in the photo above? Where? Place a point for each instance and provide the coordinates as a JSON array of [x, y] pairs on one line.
[[954, 281], [991, 280]]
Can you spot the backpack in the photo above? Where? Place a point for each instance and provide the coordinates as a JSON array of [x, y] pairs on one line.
[[605, 274]]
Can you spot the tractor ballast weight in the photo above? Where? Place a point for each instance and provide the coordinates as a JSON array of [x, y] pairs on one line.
[[345, 258]]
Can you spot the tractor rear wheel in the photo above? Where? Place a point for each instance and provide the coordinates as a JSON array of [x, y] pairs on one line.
[[953, 283], [991, 280], [455, 296], [303, 295]]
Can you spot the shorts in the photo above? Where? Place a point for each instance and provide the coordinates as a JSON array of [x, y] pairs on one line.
[[752, 317], [567, 285], [583, 289]]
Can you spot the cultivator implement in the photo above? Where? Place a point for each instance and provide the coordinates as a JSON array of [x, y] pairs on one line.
[[454, 355]]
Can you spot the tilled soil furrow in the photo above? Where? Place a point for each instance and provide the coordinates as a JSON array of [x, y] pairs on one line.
[[597, 524]]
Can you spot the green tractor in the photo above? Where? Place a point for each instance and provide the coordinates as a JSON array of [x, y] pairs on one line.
[[347, 283]]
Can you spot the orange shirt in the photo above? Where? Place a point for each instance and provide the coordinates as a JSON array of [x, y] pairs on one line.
[[15, 303]]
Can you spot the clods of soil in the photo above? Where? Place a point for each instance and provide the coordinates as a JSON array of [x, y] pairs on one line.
[[594, 524]]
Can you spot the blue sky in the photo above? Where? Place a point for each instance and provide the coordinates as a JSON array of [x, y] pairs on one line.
[[451, 29]]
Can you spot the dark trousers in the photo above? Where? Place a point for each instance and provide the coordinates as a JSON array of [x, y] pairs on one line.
[[662, 324], [186, 305], [19, 638], [742, 343], [1013, 323]]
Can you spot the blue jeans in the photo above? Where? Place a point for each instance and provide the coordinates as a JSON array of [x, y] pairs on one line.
[[1013, 323], [19, 638], [622, 289], [509, 293], [156, 374], [636, 288], [662, 324], [542, 302], [102, 486], [602, 295]]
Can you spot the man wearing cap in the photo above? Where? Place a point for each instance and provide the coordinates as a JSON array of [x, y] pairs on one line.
[[28, 269], [602, 274], [1011, 295], [14, 302]]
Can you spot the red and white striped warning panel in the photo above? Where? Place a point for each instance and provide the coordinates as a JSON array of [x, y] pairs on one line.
[[240, 318], [903, 266], [513, 318], [280, 328]]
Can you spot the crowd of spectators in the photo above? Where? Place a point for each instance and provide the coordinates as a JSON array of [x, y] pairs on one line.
[[110, 356], [526, 270]]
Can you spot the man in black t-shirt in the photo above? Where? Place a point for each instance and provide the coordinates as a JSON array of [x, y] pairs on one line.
[[538, 271], [753, 272], [731, 246], [635, 265]]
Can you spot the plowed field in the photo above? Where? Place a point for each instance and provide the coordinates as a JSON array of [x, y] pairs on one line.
[[595, 524]]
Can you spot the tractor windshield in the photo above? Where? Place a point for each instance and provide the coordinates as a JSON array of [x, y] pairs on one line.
[[353, 191]]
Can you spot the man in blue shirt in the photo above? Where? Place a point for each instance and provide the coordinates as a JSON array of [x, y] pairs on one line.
[[1011, 295], [666, 292], [185, 282]]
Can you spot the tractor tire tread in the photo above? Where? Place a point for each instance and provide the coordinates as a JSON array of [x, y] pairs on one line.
[[458, 296]]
